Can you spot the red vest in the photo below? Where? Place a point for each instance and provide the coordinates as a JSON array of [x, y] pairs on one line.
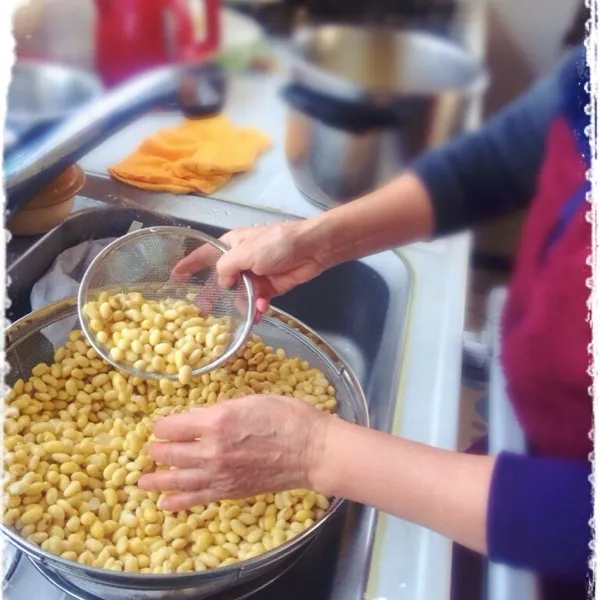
[[546, 333]]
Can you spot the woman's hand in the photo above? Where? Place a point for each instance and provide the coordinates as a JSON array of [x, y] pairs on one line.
[[279, 257], [237, 449], [261, 444]]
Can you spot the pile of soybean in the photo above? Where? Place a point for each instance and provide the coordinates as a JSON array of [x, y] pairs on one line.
[[76, 443], [166, 337]]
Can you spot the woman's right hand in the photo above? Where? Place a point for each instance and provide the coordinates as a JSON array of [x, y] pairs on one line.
[[278, 256]]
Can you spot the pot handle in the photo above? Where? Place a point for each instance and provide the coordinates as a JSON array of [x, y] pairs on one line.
[[354, 117]]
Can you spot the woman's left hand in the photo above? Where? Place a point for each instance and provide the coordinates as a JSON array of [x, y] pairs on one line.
[[236, 449]]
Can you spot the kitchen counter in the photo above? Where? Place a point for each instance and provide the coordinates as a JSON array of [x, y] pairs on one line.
[[408, 561]]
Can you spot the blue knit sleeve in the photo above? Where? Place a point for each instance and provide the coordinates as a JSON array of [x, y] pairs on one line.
[[538, 515], [492, 171]]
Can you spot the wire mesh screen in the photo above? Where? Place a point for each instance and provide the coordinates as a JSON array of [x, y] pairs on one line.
[[143, 271]]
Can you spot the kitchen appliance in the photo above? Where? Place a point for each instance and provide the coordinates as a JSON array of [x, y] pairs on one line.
[[34, 339], [136, 35], [364, 102]]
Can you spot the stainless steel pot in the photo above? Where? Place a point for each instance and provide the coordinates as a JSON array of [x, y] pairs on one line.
[[364, 102]]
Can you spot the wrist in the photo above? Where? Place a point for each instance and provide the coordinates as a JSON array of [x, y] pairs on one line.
[[323, 239], [398, 213], [324, 468]]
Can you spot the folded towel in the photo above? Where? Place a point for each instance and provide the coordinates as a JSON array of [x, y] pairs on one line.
[[196, 156]]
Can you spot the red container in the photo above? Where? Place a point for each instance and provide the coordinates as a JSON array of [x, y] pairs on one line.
[[136, 35]]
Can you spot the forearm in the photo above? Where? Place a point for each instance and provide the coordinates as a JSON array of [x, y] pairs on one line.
[[394, 215], [522, 511], [475, 177], [441, 490]]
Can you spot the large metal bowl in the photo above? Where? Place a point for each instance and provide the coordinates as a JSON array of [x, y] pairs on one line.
[[34, 339], [43, 93]]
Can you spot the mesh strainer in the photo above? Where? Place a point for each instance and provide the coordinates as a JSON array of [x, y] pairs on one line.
[[142, 262]]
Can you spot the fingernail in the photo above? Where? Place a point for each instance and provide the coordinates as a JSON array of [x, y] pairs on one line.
[[263, 305]]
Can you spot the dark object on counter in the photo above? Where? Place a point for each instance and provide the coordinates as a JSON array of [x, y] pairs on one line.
[[281, 17], [577, 32], [378, 13], [364, 102], [50, 207], [199, 89]]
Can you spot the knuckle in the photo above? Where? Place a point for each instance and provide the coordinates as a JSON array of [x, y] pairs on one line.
[[167, 455], [222, 417], [214, 455], [181, 481], [234, 238]]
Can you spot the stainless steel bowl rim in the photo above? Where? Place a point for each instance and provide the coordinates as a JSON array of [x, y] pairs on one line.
[[18, 117], [159, 230], [68, 307], [14, 559], [303, 71]]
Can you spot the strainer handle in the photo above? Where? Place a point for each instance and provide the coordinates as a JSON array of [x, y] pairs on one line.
[[199, 90]]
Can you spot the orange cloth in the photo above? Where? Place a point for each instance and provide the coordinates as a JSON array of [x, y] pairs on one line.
[[196, 156]]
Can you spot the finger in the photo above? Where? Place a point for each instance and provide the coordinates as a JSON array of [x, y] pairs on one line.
[[231, 264], [176, 454], [262, 306], [205, 256], [187, 426], [208, 294], [263, 292], [186, 500], [173, 480], [262, 286]]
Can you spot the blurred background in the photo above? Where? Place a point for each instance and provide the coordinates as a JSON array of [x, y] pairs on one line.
[[91, 35]]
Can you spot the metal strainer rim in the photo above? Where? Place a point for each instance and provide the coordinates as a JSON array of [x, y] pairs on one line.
[[84, 289]]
